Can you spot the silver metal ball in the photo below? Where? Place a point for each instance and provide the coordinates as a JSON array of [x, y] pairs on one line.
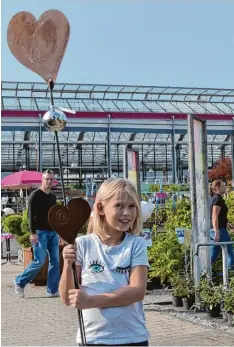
[[54, 120]]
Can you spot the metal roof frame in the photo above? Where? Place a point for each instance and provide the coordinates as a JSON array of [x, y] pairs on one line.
[[116, 98], [127, 99]]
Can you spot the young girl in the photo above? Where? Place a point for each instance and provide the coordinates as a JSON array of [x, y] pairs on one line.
[[112, 266]]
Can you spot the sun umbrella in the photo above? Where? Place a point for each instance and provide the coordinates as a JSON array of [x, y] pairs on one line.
[[23, 180]]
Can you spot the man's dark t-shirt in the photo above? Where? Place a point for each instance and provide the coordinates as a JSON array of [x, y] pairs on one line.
[[39, 204], [217, 200]]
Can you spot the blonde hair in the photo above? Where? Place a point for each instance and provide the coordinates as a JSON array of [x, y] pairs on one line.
[[105, 193]]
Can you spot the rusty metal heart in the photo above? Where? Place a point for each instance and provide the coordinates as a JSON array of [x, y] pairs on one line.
[[67, 221], [39, 44]]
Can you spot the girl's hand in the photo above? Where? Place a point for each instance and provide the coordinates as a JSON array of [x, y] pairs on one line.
[[79, 299], [69, 255]]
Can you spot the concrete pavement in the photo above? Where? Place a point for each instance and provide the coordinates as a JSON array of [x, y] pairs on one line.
[[40, 321]]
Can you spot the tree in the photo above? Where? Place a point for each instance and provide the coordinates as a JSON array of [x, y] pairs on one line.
[[222, 169]]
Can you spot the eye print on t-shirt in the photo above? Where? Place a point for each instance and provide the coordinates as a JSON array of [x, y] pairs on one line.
[[96, 266], [123, 270]]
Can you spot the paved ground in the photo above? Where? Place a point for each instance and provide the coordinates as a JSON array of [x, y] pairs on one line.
[[41, 321]]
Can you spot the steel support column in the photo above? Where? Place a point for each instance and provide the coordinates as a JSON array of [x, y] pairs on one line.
[[173, 152], [109, 145]]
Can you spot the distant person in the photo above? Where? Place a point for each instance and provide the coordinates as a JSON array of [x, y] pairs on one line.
[[219, 221], [43, 239]]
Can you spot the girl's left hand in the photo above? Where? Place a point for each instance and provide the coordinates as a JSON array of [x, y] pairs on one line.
[[79, 299]]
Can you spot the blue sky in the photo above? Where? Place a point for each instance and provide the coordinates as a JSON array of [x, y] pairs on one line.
[[151, 42]]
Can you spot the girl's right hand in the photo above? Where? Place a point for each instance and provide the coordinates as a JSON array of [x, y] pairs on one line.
[[69, 254]]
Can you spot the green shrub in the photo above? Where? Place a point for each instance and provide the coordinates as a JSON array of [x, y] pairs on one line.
[[211, 294], [229, 298], [230, 205], [24, 237], [165, 256], [180, 217], [169, 188], [12, 224]]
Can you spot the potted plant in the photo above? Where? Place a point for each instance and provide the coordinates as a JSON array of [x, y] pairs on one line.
[[211, 296], [229, 302], [189, 299], [179, 289], [165, 257]]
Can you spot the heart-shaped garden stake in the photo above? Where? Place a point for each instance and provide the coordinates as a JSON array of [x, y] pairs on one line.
[[67, 221], [39, 44]]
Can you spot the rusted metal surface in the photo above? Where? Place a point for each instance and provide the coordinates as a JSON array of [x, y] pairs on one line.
[[39, 44]]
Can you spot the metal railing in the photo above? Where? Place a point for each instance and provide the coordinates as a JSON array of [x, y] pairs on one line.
[[223, 246]]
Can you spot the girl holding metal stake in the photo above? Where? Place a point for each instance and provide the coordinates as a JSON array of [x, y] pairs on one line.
[[111, 262]]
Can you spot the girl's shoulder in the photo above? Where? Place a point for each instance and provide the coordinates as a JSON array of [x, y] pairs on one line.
[[134, 239], [84, 240]]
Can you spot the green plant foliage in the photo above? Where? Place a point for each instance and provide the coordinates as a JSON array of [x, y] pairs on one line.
[[159, 216], [229, 298], [165, 256], [211, 294], [180, 217], [24, 237], [182, 285], [12, 224], [169, 188], [178, 283], [230, 205]]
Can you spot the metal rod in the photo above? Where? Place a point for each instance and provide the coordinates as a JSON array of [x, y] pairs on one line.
[[232, 152], [80, 316], [161, 100], [159, 143], [60, 168], [124, 162], [118, 159], [166, 164], [173, 153], [51, 86], [224, 257], [40, 144], [109, 146], [193, 197], [225, 266]]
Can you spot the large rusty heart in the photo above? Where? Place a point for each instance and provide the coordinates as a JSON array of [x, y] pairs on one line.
[[67, 221], [39, 45]]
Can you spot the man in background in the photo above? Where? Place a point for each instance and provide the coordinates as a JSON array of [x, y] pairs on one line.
[[43, 239]]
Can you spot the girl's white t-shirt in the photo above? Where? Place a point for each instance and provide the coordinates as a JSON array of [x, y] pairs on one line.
[[104, 270]]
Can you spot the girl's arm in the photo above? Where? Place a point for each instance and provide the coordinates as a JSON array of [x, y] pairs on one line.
[[67, 282], [128, 295]]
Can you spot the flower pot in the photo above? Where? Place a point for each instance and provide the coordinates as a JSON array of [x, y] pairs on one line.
[[166, 285], [225, 316], [215, 311], [230, 317], [153, 283], [177, 301], [188, 302], [41, 278]]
